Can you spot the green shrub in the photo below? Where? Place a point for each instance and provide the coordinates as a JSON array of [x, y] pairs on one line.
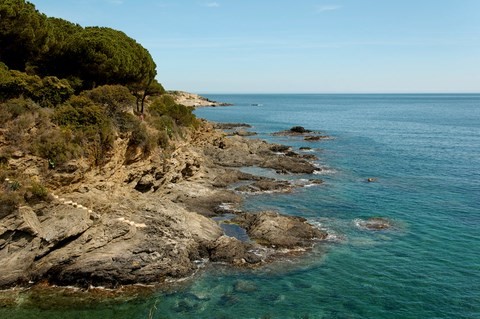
[[165, 106], [47, 91], [13, 108], [99, 140], [183, 115], [79, 113], [115, 98], [125, 122], [53, 91], [57, 145], [36, 192], [90, 126], [9, 201], [163, 123], [142, 138], [163, 139], [17, 130], [17, 189]]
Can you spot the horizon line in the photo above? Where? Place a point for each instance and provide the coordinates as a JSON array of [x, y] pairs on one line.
[[334, 93]]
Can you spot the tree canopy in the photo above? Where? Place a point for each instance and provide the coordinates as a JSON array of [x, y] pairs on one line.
[[24, 33], [88, 57]]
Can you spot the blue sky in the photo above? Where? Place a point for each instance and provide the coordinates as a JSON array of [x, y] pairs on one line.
[[297, 46]]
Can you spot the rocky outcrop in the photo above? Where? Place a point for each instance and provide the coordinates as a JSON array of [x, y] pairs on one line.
[[294, 131], [275, 230], [145, 220], [237, 152], [126, 242], [230, 126], [228, 249], [308, 135], [266, 185], [194, 100]]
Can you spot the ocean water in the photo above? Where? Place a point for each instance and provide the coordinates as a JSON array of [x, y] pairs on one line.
[[424, 151]]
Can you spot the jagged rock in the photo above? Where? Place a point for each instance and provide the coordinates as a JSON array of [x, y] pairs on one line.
[[207, 205], [266, 185], [97, 231], [244, 133], [299, 129], [280, 148], [228, 249], [294, 131], [289, 164], [239, 152], [230, 126], [30, 224], [18, 154], [145, 183], [229, 176], [280, 231]]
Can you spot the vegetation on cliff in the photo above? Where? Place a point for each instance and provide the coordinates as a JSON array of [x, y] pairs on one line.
[[100, 185], [68, 92]]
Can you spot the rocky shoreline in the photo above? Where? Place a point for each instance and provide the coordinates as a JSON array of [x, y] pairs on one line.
[[194, 100], [150, 221]]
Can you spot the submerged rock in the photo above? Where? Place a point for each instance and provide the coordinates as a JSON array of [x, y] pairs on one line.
[[315, 137], [374, 223], [245, 286]]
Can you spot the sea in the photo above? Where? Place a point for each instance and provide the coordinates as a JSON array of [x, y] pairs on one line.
[[423, 152]]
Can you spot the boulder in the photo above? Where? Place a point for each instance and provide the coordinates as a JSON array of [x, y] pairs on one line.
[[279, 231], [228, 249]]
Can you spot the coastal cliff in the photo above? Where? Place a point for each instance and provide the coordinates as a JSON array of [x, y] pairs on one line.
[[147, 219], [106, 179]]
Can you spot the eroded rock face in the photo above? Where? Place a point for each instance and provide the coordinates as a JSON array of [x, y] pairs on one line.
[[129, 242], [142, 221], [279, 231]]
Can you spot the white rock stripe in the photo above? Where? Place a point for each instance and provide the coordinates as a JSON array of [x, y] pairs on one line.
[[126, 221], [72, 203]]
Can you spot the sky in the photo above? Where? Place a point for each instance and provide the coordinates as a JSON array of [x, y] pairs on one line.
[[297, 46]]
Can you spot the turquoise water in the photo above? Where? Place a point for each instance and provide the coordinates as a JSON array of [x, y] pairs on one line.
[[424, 151]]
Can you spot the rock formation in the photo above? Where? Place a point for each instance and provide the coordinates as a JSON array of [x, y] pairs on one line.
[[143, 220]]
